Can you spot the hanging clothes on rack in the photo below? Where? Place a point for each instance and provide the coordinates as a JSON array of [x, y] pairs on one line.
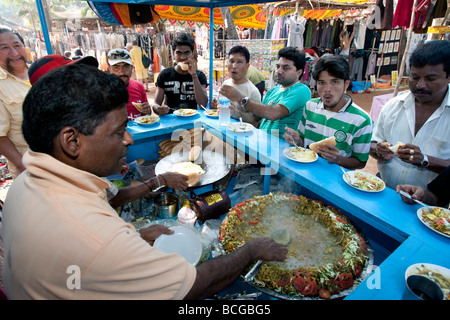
[[296, 30]]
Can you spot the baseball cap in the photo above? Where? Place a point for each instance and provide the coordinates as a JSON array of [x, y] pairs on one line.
[[43, 65], [119, 55]]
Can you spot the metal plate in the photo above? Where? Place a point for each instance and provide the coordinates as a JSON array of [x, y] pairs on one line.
[[214, 164]]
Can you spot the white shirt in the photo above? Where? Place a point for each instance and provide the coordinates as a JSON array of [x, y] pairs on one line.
[[248, 89], [396, 123]]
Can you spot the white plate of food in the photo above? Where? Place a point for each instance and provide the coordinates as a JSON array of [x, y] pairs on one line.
[[364, 181], [300, 154], [183, 241], [213, 113], [436, 218], [147, 120], [185, 112], [240, 127], [438, 274]]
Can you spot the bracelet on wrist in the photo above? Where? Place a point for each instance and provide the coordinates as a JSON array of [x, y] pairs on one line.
[[164, 180], [149, 187]]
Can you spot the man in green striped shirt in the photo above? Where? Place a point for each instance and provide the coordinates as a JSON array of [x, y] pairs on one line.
[[334, 114]]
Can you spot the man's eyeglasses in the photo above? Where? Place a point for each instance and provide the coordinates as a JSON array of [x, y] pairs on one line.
[[118, 54]]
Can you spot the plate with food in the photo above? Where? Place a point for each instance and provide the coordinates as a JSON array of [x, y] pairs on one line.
[[202, 167], [435, 218], [364, 181], [147, 120], [213, 113], [183, 241], [185, 112], [240, 127], [438, 274], [300, 154]]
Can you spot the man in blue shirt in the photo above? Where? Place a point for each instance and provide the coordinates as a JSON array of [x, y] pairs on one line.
[[282, 105]]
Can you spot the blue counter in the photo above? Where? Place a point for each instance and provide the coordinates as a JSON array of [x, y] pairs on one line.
[[391, 222]]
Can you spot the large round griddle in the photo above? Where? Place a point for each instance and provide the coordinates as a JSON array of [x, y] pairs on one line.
[[214, 164]]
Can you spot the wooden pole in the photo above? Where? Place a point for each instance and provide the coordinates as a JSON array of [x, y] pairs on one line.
[[408, 40]]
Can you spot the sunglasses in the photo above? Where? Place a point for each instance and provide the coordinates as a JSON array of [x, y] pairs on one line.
[[119, 54]]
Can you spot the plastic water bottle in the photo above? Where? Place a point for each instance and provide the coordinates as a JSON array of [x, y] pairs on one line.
[[224, 110]]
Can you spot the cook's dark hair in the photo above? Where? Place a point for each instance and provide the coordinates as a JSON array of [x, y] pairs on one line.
[[5, 29], [75, 95], [432, 53], [242, 50], [296, 56], [183, 40], [334, 65]]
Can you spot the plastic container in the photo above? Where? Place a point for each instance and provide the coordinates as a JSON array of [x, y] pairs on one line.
[[224, 111], [186, 215]]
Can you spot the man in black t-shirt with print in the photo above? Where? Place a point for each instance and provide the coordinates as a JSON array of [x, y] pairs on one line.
[[183, 86]]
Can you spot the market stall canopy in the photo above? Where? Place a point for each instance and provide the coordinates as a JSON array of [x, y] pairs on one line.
[[252, 15], [246, 16]]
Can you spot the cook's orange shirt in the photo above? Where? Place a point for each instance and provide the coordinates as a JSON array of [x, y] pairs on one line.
[[64, 241]]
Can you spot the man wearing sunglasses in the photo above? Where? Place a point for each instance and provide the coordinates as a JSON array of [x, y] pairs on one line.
[[183, 86], [120, 64]]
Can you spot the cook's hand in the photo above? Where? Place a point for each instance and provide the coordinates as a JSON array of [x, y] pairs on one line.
[[414, 191], [151, 233], [175, 180], [145, 107], [410, 153], [267, 249], [291, 134], [329, 152], [161, 110], [383, 151]]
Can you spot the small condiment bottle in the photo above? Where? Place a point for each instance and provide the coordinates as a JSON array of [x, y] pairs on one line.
[[186, 215]]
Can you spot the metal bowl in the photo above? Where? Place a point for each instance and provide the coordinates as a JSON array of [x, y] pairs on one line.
[[424, 288], [166, 205]]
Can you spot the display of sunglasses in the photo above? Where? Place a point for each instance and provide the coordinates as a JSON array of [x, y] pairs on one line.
[[118, 54]]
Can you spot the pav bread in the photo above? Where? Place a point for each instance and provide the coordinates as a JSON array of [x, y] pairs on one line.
[[137, 105], [396, 146], [314, 146], [183, 65], [190, 169]]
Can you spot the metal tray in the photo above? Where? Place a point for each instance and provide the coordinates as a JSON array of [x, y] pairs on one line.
[[365, 273], [214, 164]]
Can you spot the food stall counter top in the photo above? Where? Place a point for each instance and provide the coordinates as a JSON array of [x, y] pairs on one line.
[[384, 211]]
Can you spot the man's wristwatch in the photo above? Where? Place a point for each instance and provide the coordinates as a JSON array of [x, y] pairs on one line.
[[244, 101], [424, 162]]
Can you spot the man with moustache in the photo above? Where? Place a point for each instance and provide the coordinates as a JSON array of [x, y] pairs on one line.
[[120, 64], [65, 241], [14, 85], [419, 119], [334, 114], [282, 105]]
